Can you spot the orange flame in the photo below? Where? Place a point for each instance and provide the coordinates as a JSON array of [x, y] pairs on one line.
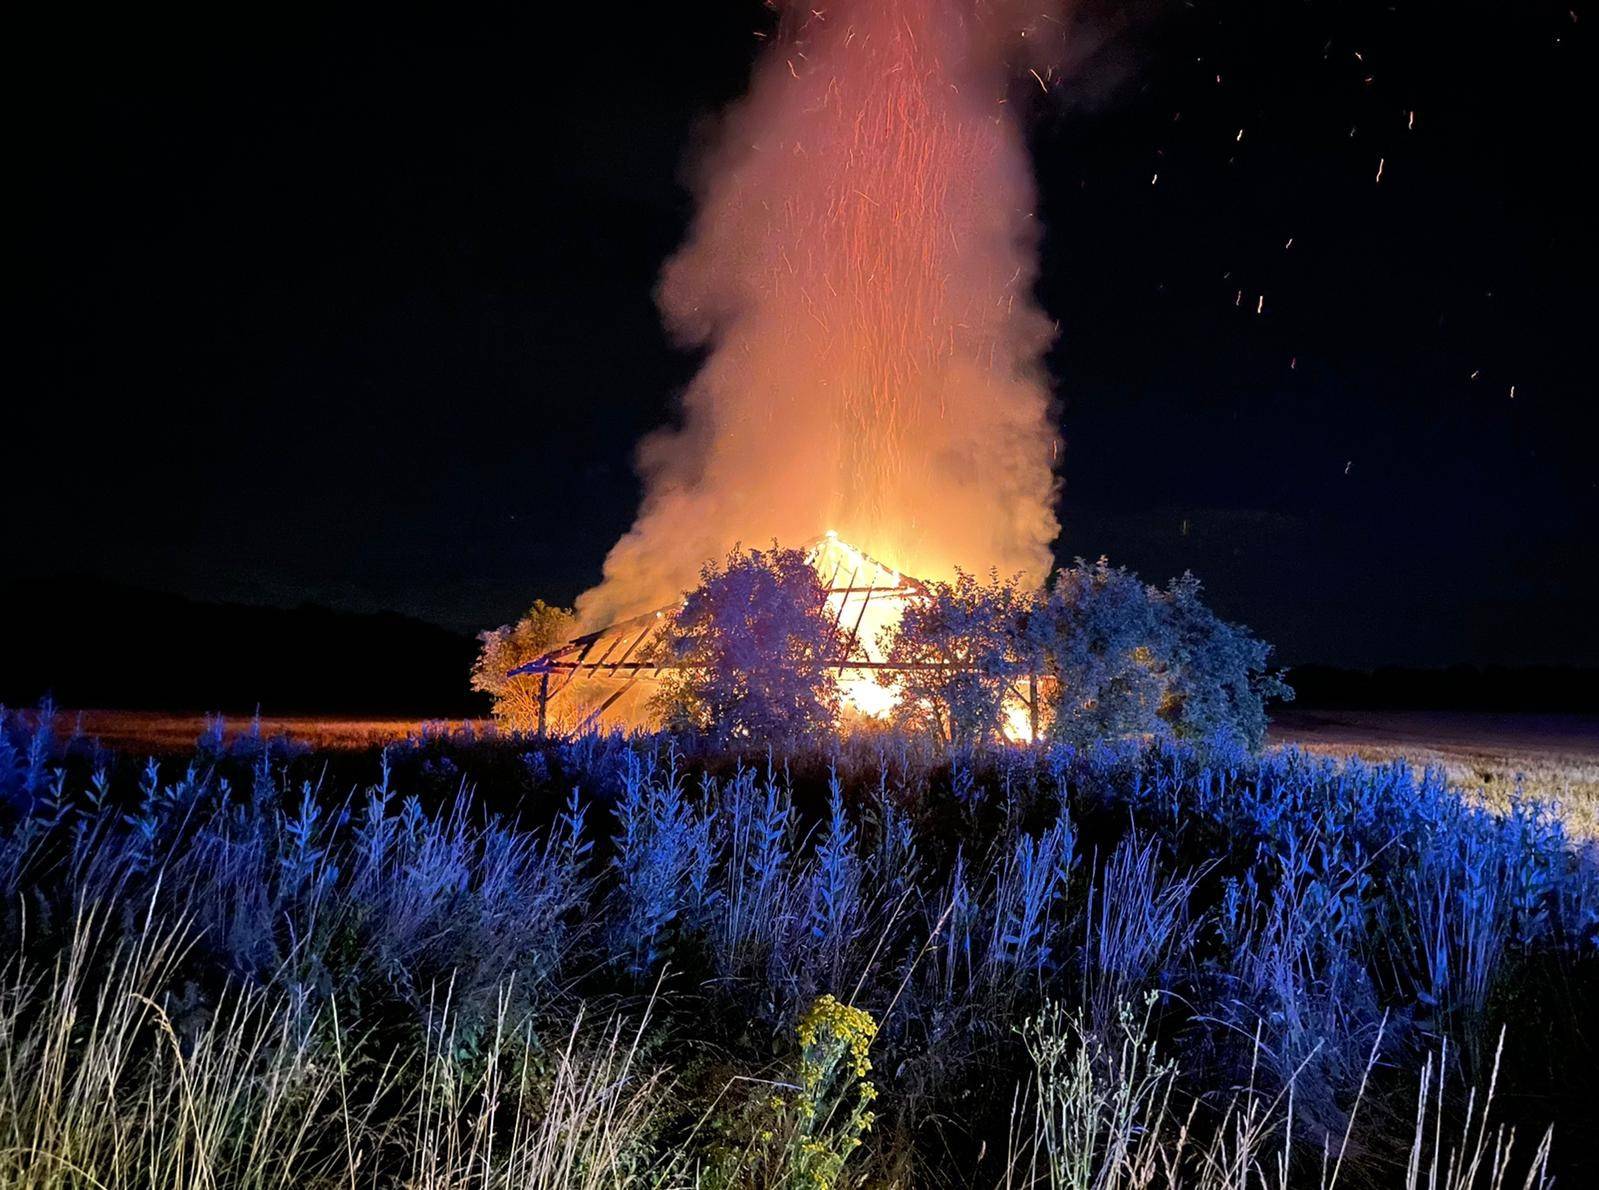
[[860, 274]]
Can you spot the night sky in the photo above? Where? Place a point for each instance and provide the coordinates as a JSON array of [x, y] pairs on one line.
[[354, 306]]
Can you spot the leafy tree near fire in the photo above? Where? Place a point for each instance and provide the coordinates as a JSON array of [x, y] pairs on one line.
[[962, 646], [1124, 658], [1100, 638], [516, 700], [1218, 682], [753, 641]]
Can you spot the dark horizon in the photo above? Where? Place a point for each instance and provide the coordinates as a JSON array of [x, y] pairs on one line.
[[356, 309], [163, 652]]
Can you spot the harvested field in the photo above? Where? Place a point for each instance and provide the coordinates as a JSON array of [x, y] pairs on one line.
[[1491, 755]]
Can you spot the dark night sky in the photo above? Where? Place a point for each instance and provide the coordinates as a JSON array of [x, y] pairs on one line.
[[354, 305]]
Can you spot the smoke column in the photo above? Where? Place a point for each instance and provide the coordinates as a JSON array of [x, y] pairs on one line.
[[859, 274]]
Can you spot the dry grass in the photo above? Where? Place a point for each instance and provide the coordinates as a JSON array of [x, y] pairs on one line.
[[1554, 758], [165, 732], [102, 1089]]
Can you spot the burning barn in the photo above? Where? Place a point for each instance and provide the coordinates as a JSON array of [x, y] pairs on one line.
[[596, 677]]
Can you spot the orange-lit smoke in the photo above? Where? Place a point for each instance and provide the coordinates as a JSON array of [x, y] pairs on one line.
[[860, 275]]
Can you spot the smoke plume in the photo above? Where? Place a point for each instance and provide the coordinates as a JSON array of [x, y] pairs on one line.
[[859, 275]]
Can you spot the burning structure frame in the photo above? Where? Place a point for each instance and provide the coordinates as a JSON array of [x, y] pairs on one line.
[[860, 590]]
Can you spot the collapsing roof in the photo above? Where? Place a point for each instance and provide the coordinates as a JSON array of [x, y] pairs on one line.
[[864, 594], [594, 673]]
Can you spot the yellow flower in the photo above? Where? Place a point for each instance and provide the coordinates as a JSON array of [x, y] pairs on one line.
[[853, 1026]]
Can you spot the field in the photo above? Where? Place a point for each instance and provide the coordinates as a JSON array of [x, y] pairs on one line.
[[166, 732], [1550, 757], [466, 960], [1553, 758]]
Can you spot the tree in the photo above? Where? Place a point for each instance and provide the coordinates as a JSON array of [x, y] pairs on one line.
[[1125, 658], [516, 700], [1218, 683], [1100, 641], [753, 645], [970, 637]]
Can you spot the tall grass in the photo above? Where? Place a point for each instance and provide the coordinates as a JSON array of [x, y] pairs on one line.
[[1108, 1113], [102, 1085], [474, 962]]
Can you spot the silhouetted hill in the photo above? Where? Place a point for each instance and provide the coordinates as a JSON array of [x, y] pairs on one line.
[[1457, 688], [92, 643]]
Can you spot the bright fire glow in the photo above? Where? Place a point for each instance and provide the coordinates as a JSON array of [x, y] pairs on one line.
[[859, 277], [868, 697], [866, 601], [1018, 722]]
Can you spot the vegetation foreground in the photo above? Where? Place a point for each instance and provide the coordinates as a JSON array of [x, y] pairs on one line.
[[594, 962]]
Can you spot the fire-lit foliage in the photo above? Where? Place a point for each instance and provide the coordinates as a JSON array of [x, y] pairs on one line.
[[516, 697], [765, 650], [350, 958], [752, 645], [1125, 658], [958, 650]]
